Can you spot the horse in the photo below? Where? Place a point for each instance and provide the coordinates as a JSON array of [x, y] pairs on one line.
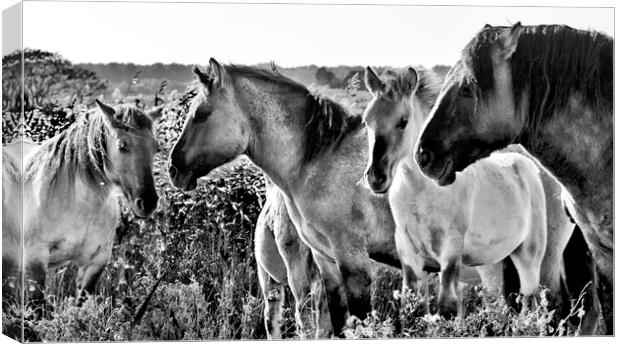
[[283, 259], [310, 148], [401, 102], [465, 224], [69, 186], [550, 89]]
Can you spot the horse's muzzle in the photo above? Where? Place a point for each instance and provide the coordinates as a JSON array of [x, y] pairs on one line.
[[184, 181], [377, 181], [144, 207]]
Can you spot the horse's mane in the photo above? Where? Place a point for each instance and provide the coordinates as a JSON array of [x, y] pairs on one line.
[[80, 150], [398, 85], [326, 122], [9, 167], [552, 62]]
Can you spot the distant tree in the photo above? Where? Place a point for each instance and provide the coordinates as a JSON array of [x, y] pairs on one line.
[[49, 81], [441, 70]]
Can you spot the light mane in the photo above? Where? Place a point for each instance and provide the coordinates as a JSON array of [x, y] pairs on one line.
[[80, 151], [398, 86]]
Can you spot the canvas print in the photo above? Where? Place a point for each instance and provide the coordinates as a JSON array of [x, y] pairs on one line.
[[219, 171]]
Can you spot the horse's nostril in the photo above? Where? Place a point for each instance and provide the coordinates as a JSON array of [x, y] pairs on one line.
[[380, 178], [140, 204], [424, 157]]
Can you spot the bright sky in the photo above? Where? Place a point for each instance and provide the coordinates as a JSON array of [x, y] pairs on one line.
[[288, 34]]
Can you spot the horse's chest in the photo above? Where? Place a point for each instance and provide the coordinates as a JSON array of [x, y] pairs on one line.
[[422, 223], [72, 234]]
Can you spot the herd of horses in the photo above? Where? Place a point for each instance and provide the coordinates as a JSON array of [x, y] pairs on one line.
[[528, 107]]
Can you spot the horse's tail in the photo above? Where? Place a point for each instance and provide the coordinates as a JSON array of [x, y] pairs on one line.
[[512, 285], [580, 282]]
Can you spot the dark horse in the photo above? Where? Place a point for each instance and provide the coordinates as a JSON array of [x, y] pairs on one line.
[[549, 88]]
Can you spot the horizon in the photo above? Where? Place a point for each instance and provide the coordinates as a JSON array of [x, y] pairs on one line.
[[291, 35]]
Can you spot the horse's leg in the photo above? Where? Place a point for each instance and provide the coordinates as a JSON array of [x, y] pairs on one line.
[[273, 295], [86, 280], [527, 259], [323, 323], [298, 276], [303, 277], [414, 278], [451, 260], [307, 287], [581, 277], [90, 268], [35, 285], [491, 276], [354, 265], [336, 300], [11, 280]]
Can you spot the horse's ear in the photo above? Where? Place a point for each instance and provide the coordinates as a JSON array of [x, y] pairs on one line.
[[108, 112], [509, 40], [373, 84], [218, 73], [487, 26], [202, 76], [412, 76], [155, 113]]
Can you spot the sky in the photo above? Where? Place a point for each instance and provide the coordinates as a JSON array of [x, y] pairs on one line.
[[290, 35]]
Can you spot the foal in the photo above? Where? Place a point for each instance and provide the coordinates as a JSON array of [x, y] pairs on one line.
[[70, 185], [283, 259], [495, 210]]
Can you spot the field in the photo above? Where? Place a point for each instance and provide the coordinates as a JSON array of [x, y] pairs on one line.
[[189, 272]]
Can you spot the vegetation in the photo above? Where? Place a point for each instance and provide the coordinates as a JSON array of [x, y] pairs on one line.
[[189, 271]]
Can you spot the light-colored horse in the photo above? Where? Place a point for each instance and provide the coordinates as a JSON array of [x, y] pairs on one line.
[[496, 210], [401, 103], [283, 259], [549, 88], [70, 185], [310, 148]]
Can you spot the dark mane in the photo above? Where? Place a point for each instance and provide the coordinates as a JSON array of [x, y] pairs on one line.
[[398, 85], [552, 62], [327, 123], [80, 150]]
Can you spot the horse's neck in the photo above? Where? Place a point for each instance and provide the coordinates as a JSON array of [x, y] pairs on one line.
[[576, 144], [276, 145]]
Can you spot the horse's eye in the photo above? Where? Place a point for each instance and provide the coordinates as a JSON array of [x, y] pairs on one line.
[[122, 146], [402, 124]]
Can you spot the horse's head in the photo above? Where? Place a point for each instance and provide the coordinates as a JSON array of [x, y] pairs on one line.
[[130, 148], [476, 111], [391, 125], [215, 130]]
